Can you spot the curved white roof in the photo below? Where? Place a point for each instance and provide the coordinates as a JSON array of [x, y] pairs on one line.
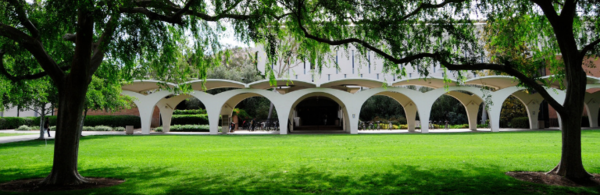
[[145, 85], [291, 83], [343, 83], [433, 82], [215, 84], [494, 81]]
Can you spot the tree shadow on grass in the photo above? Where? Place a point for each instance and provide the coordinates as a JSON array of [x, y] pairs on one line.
[[307, 180]]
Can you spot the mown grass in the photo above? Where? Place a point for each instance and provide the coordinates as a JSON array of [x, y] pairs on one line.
[[14, 134], [467, 163]]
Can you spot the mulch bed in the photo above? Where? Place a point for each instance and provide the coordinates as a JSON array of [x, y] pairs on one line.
[[555, 180], [33, 185]]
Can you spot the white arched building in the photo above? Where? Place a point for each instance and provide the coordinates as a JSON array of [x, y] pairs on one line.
[[347, 94]]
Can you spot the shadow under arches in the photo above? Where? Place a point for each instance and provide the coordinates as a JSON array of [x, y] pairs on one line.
[[339, 122]]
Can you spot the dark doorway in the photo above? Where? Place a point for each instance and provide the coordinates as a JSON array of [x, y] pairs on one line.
[[318, 113]]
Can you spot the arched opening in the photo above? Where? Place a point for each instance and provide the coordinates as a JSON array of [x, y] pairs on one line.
[[447, 112], [255, 113], [319, 112], [188, 115], [513, 114], [249, 112], [385, 111]]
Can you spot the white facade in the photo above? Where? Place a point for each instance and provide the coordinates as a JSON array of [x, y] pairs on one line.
[[351, 64], [350, 100]]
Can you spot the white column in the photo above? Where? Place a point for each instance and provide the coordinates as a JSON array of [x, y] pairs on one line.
[[146, 117], [424, 113], [494, 117], [213, 111], [166, 116], [353, 114], [283, 115], [410, 110], [592, 106]]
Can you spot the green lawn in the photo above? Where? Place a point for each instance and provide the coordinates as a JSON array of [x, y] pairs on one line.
[[14, 134], [467, 163]]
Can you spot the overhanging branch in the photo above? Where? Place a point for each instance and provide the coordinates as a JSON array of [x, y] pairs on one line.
[[22, 16], [5, 72], [438, 57], [589, 47]]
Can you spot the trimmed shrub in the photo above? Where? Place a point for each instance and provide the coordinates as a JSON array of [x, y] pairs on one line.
[[113, 121], [102, 128], [520, 122], [188, 112], [88, 128], [190, 119], [119, 128], [186, 128], [23, 128], [52, 128], [2, 122], [34, 127]]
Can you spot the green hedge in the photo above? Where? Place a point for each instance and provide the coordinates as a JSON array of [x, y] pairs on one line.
[[107, 120], [187, 112], [190, 119], [112, 121], [186, 128], [519, 122]]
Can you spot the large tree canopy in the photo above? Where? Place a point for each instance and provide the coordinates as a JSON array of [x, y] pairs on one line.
[[559, 35], [68, 41]]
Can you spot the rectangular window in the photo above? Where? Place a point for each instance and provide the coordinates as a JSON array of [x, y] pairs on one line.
[[344, 75], [304, 66], [313, 78], [296, 77], [360, 75], [352, 61], [394, 77], [328, 77], [377, 76], [409, 75]]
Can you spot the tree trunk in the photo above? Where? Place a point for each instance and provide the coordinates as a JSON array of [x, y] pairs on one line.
[[42, 121], [571, 165], [72, 89]]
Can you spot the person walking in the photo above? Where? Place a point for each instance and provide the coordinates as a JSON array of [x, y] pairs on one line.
[[47, 126], [252, 124]]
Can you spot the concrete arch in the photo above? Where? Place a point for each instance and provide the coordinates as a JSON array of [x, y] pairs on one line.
[[145, 104], [403, 96], [471, 103], [223, 104], [325, 93]]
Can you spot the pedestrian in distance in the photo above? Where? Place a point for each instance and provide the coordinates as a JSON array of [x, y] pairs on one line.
[[47, 126]]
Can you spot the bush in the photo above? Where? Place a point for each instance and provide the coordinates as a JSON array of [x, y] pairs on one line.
[[107, 120], [102, 128], [52, 128], [119, 128], [23, 128], [186, 128], [113, 121], [188, 112], [190, 119], [34, 127], [88, 128], [520, 122]]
